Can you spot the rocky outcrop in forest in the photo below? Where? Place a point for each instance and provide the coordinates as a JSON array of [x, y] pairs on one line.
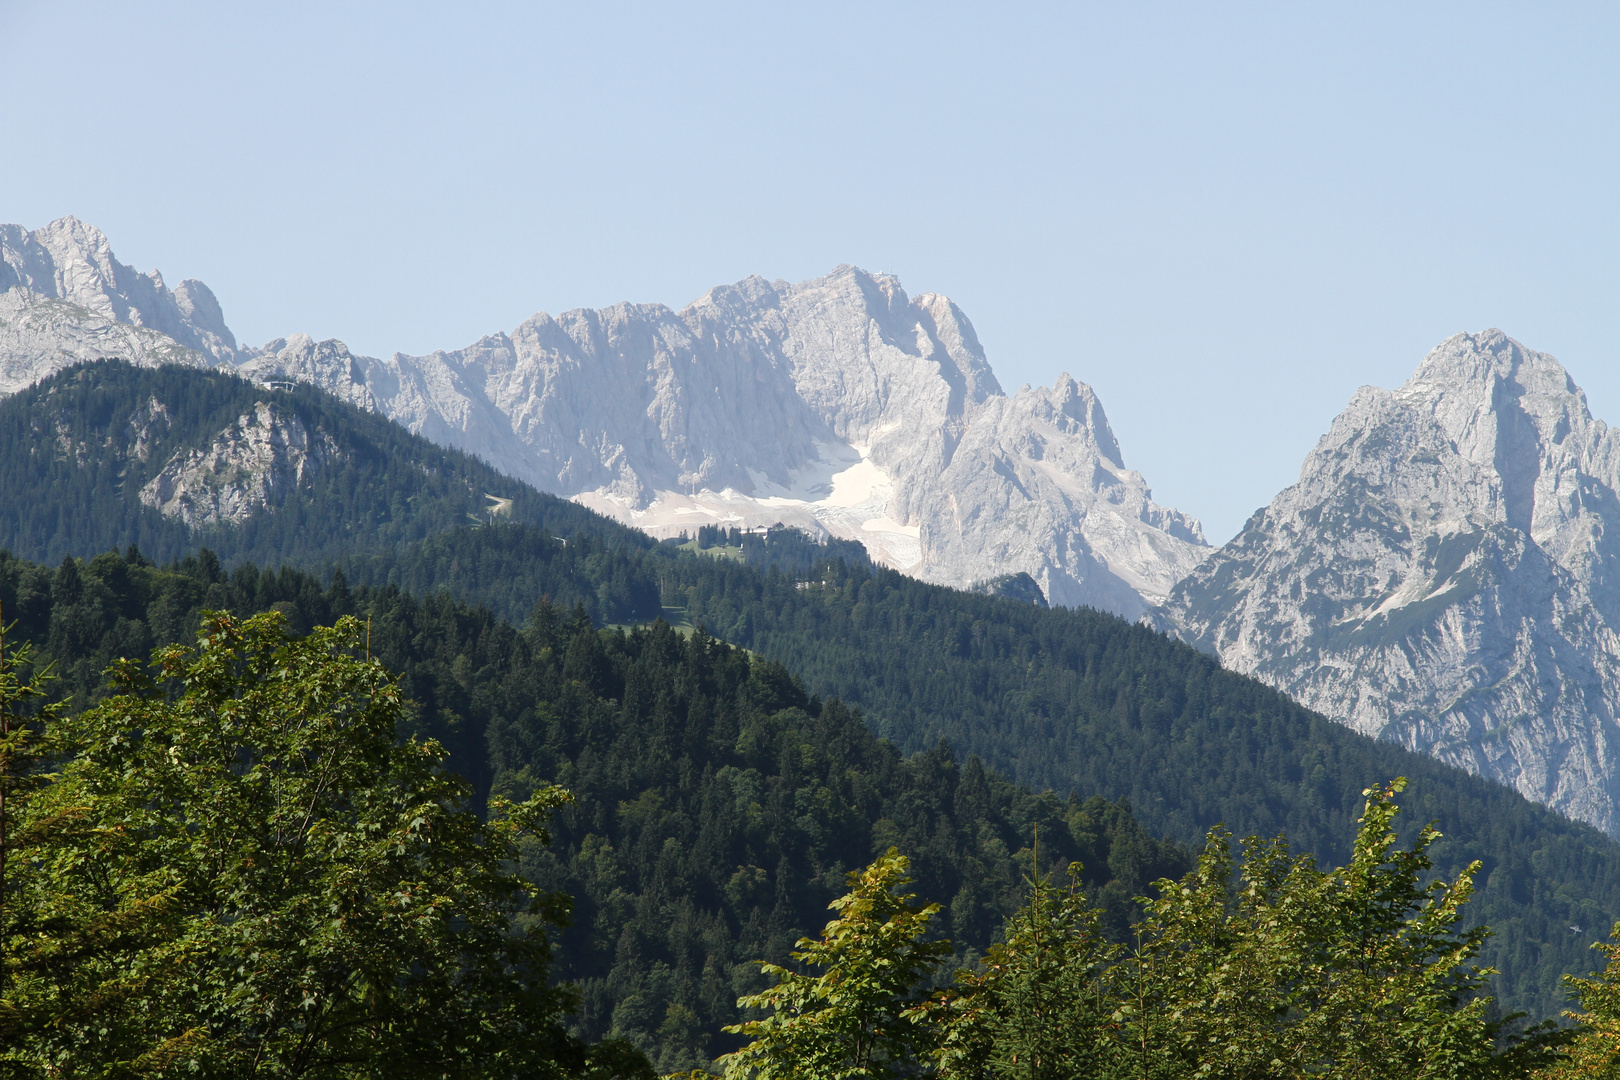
[[247, 466]]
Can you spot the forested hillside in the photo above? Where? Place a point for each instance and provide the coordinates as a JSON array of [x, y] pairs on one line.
[[1083, 701], [171, 459], [718, 805]]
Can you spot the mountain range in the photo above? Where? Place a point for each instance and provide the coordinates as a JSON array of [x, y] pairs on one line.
[[455, 562], [1440, 576], [839, 405]]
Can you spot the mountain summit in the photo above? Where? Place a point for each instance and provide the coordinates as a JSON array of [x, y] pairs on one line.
[[840, 405], [65, 298], [1445, 574]]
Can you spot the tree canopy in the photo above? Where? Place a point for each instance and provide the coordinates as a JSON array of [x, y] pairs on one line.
[[240, 870], [1281, 971]]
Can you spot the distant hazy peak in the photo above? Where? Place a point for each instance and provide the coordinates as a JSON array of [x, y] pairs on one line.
[[72, 261], [1077, 403]]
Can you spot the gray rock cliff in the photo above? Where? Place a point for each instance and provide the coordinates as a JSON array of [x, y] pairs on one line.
[[249, 465], [70, 261], [1445, 574], [839, 404], [40, 336]]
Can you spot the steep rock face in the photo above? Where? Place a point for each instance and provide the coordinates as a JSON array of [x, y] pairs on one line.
[[249, 465], [71, 261], [1038, 480], [839, 404], [40, 336], [1444, 574]]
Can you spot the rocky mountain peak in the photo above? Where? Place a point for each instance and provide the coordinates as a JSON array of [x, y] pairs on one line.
[[1487, 391], [751, 293], [1075, 406], [71, 261], [840, 404], [1516, 419], [1442, 574], [300, 358]]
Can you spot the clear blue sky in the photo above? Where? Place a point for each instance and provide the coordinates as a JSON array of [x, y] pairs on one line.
[[1225, 218]]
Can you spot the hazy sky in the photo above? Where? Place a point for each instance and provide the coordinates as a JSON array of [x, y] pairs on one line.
[[1225, 218]]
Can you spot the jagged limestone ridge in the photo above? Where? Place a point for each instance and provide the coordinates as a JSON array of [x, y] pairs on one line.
[[1445, 574], [72, 261], [839, 404]]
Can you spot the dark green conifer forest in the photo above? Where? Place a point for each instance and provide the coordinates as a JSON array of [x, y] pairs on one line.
[[1083, 701]]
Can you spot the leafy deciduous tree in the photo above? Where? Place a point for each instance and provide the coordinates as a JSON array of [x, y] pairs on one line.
[[1356, 972], [248, 874], [848, 1021], [1359, 973], [1595, 1052], [21, 758], [1037, 1007]]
